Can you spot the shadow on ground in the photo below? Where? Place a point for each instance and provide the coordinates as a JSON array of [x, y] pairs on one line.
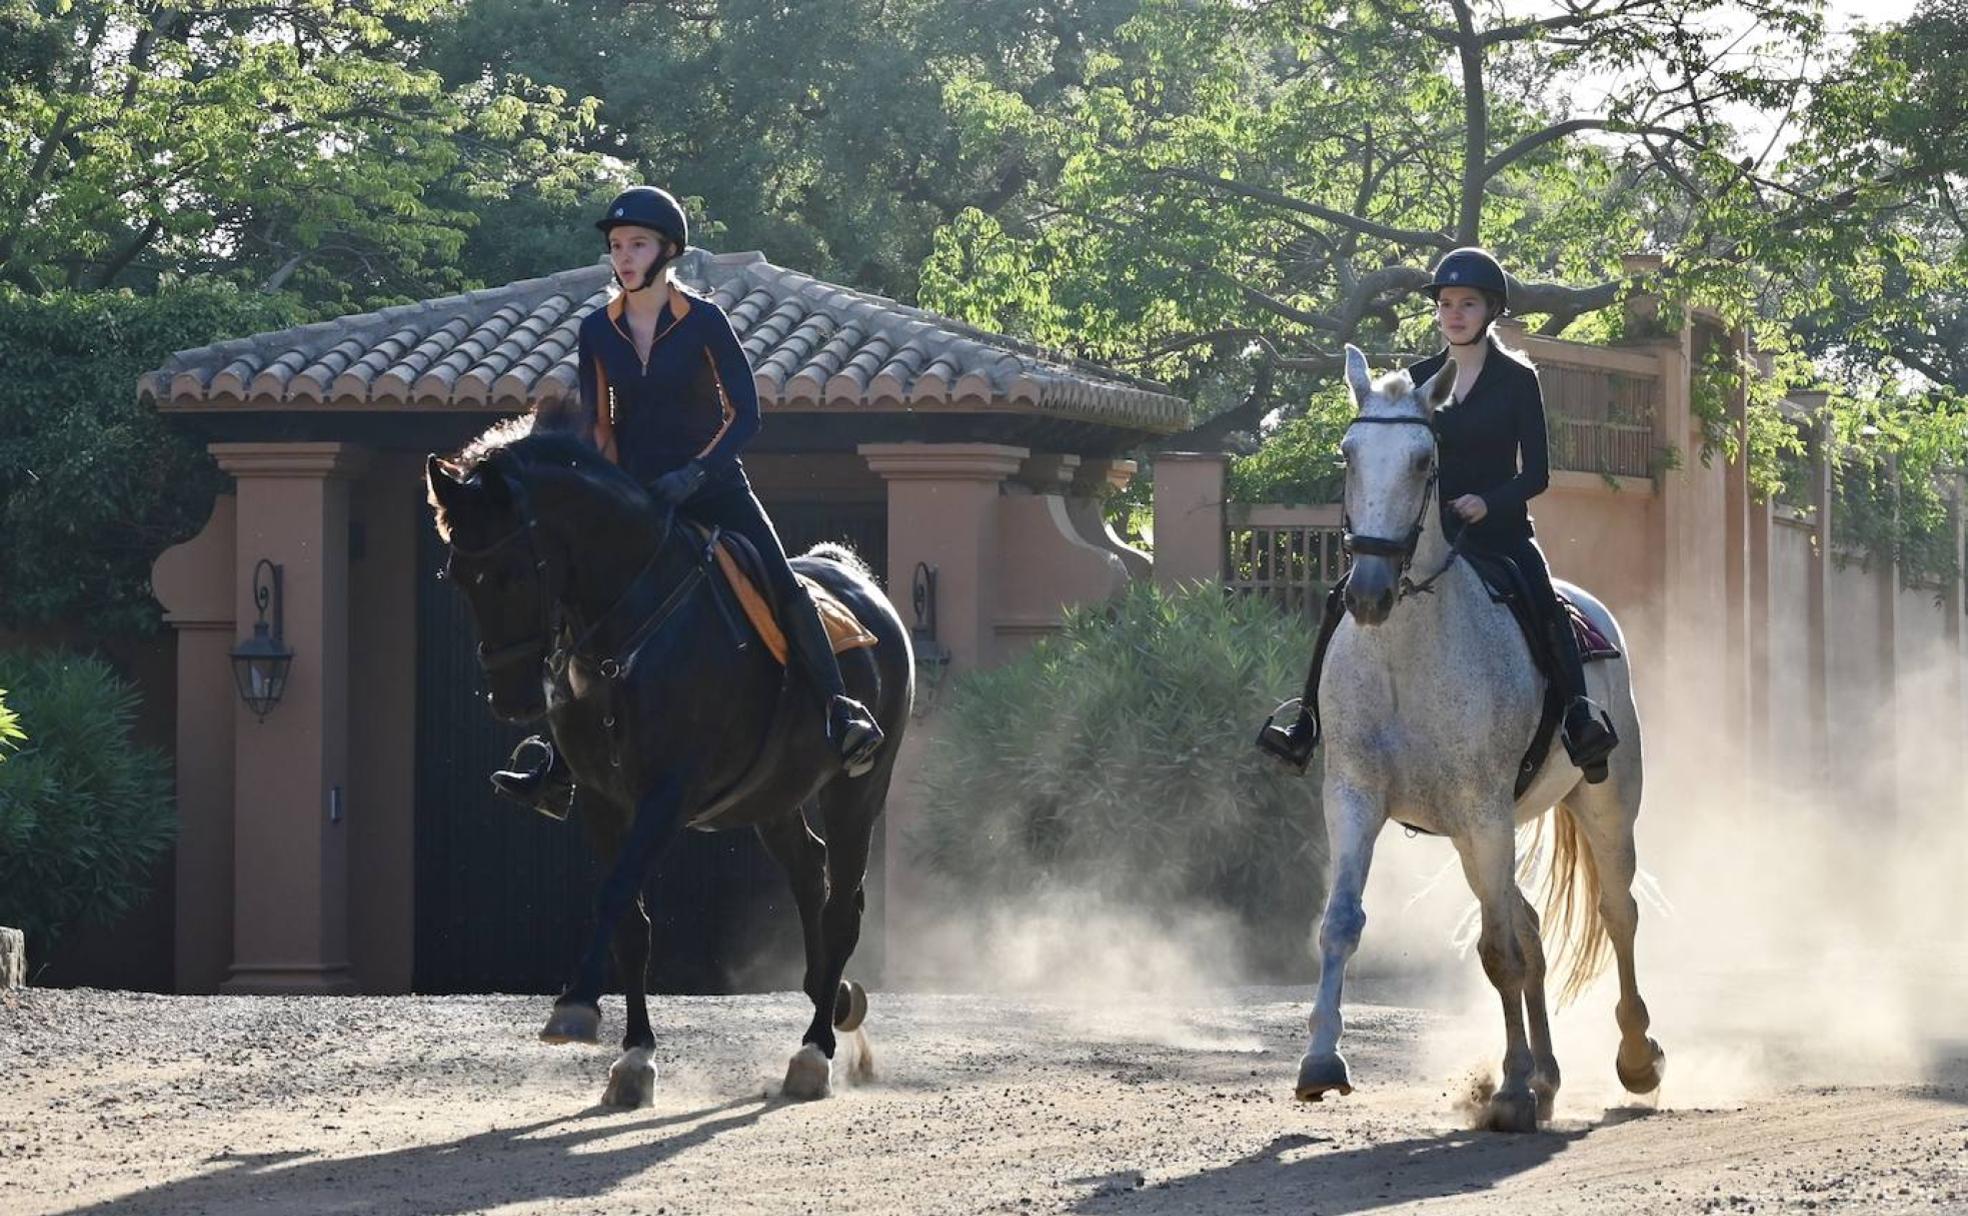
[[576, 1157], [1296, 1173]]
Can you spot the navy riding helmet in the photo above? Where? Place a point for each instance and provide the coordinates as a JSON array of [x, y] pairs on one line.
[[656, 210], [1471, 267], [648, 207]]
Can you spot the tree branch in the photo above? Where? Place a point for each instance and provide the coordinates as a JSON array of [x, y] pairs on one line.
[[120, 261], [1475, 127], [1387, 232], [1572, 126]]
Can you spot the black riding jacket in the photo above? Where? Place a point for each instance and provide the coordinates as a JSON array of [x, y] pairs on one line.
[[1493, 445], [693, 400]]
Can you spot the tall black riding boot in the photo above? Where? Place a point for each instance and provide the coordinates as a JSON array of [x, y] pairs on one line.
[[1294, 743], [855, 733], [546, 785], [1589, 734]]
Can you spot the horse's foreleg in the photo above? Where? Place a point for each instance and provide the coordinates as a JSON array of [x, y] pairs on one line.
[[804, 858], [1606, 820], [632, 1078], [577, 1011], [1353, 823], [1544, 1061], [1489, 861]]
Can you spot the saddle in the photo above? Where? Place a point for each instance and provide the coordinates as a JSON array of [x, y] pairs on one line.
[[1507, 586], [744, 577]]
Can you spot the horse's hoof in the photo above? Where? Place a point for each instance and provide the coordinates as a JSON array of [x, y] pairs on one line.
[[850, 1006], [810, 1075], [860, 1058], [1512, 1112], [1647, 1078], [631, 1081], [573, 1023], [1547, 1100], [1317, 1075]]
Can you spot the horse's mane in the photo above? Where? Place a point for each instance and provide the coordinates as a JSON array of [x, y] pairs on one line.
[[497, 437], [528, 442]]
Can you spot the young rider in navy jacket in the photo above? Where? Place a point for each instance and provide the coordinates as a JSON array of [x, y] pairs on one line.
[[667, 394], [1493, 461]]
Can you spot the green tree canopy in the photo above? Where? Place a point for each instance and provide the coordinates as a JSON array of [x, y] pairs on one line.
[[298, 144]]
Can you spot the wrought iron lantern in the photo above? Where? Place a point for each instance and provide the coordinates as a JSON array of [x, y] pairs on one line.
[[932, 656], [260, 663]]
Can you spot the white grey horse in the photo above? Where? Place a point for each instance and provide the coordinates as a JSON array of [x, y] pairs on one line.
[[1429, 700]]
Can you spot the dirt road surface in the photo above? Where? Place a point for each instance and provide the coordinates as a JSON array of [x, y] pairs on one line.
[[124, 1103]]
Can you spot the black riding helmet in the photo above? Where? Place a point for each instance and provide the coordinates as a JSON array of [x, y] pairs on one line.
[[1472, 267], [656, 210]]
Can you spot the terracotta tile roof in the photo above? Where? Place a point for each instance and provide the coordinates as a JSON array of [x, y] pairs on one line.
[[813, 345]]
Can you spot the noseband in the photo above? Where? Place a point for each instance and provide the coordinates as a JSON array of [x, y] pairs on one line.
[[1402, 550]]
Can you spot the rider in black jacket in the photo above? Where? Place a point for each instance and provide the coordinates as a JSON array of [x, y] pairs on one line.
[[1493, 460], [667, 394]]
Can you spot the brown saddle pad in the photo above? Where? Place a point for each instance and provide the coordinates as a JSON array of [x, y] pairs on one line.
[[844, 629]]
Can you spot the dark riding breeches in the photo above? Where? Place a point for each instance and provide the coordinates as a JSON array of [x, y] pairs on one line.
[[1537, 575], [726, 501]]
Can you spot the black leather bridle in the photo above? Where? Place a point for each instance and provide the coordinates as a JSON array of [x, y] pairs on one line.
[[529, 649], [1403, 549]]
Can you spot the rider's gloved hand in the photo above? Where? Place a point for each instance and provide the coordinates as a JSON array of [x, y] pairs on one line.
[[678, 485]]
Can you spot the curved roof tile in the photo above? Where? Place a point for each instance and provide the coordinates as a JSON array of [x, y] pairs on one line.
[[813, 345]]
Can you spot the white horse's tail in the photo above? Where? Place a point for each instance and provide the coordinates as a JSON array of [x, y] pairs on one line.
[[1573, 931]]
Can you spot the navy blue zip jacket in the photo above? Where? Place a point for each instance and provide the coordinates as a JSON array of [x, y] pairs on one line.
[[693, 400], [1481, 438]]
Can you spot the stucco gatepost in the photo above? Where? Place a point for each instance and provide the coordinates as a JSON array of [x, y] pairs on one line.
[[1817, 605], [290, 842], [1189, 496], [942, 511], [194, 582]]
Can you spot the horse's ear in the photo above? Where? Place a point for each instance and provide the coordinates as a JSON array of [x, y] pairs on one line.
[[1440, 387], [1357, 378], [445, 481]]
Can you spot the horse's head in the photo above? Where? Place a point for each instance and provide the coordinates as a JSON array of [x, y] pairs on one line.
[[1390, 479], [510, 569]]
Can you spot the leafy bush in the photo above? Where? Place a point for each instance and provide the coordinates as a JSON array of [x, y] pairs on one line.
[[1117, 758], [10, 731], [93, 484], [84, 812]]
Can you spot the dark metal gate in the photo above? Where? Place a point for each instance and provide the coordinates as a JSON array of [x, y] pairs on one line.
[[503, 894]]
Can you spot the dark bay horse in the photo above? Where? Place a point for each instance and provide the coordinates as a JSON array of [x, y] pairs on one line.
[[600, 611]]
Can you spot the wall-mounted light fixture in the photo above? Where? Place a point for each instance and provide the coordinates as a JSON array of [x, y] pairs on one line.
[[932, 656], [260, 663]]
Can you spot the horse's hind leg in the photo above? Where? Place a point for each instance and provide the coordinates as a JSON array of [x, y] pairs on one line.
[[804, 858], [1544, 1061], [850, 811], [1605, 814], [1353, 822], [1489, 861]]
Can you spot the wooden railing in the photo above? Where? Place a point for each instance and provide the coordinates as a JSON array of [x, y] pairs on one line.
[[1287, 555], [1600, 404]]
